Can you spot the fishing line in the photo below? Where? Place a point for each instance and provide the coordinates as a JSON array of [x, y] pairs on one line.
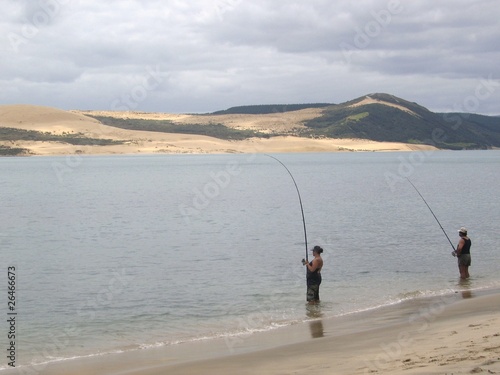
[[300, 200], [453, 247]]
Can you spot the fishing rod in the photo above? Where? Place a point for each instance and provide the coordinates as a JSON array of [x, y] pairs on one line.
[[300, 200], [453, 247]]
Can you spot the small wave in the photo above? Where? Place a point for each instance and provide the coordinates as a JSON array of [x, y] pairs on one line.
[[411, 295], [49, 359], [243, 332], [400, 298], [417, 294]]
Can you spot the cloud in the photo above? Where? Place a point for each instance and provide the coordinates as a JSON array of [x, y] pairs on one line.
[[212, 55]]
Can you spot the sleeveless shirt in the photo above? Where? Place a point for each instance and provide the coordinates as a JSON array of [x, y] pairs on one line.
[[313, 278], [466, 247]]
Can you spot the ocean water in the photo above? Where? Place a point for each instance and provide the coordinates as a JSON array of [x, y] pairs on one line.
[[116, 253]]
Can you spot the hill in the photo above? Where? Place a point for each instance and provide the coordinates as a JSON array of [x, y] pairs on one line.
[[384, 117], [372, 122], [268, 108]]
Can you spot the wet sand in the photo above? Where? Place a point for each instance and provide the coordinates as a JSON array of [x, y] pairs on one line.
[[454, 334]]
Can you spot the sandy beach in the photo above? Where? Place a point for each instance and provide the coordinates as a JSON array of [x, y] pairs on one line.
[[56, 121], [453, 334]]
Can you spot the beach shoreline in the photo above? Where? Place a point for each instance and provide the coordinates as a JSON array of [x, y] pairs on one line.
[[455, 333], [175, 144]]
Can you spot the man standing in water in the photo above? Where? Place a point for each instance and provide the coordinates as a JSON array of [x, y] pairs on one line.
[[463, 253], [314, 275]]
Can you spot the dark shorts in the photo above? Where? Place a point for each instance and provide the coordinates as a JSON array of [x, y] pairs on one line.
[[312, 293], [464, 260]]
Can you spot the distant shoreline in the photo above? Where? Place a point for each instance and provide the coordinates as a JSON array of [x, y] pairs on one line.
[[41, 149], [190, 144], [28, 130]]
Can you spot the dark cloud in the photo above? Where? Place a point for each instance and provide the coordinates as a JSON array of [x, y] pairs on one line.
[[212, 55]]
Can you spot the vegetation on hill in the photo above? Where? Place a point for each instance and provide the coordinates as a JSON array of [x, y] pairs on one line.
[[14, 134], [166, 126], [268, 109], [380, 122], [487, 127], [384, 118], [13, 151]]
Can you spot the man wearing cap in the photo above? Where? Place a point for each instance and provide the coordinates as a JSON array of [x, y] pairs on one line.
[[463, 253]]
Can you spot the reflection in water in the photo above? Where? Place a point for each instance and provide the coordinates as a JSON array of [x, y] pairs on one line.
[[316, 326], [465, 285], [467, 294]]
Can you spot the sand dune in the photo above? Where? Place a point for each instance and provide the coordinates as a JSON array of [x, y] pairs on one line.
[[369, 100], [56, 121], [30, 117], [268, 123]]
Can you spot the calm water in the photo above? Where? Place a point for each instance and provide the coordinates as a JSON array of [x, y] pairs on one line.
[[126, 252]]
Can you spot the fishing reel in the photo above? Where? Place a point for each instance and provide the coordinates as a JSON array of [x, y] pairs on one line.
[[304, 262]]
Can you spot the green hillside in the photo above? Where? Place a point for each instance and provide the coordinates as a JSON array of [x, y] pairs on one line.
[[13, 134], [383, 118], [379, 121], [377, 117], [268, 108], [166, 126]]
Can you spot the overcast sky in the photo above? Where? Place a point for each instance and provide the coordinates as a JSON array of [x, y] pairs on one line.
[[205, 55]]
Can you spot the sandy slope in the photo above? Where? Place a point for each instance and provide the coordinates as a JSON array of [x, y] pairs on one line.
[[369, 100], [267, 123], [57, 121]]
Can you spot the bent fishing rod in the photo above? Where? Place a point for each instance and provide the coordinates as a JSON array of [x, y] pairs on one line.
[[300, 200], [453, 247]]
